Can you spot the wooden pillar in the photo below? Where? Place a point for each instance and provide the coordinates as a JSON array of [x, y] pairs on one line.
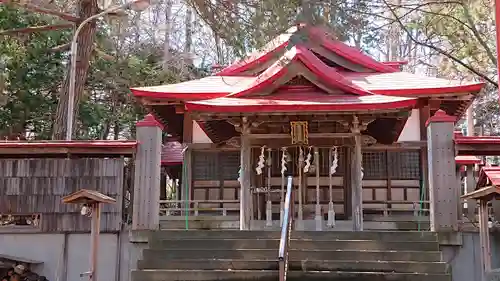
[[163, 184], [318, 217], [146, 208], [331, 211], [470, 186], [187, 160], [444, 189], [245, 174], [269, 206], [300, 211], [94, 235], [357, 187], [484, 238]]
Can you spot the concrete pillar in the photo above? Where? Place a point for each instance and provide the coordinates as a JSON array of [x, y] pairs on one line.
[[444, 189], [146, 213]]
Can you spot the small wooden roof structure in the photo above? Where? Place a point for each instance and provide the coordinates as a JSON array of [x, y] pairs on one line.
[[7, 261], [171, 153], [477, 145], [85, 196], [467, 160], [488, 185], [305, 70]]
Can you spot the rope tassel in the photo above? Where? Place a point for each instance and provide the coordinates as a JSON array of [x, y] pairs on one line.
[[283, 161], [335, 162], [262, 161]]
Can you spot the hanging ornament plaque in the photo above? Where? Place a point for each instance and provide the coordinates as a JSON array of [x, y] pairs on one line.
[[299, 132]]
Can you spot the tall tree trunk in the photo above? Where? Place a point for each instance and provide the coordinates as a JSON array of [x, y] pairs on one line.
[[86, 9], [189, 37], [167, 56]]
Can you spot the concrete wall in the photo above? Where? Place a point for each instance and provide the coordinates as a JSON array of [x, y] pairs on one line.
[[465, 259], [49, 249]]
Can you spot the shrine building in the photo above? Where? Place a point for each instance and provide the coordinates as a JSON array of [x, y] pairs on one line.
[[369, 146]]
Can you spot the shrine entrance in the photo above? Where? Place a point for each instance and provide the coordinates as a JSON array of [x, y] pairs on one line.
[[320, 179]]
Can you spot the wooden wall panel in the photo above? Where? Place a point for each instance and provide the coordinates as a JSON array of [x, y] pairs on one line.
[[37, 186]]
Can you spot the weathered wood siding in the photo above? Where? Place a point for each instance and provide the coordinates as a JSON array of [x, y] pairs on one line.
[[36, 186]]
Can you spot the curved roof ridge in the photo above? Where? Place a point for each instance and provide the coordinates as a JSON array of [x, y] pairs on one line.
[[348, 52], [282, 41], [260, 56], [327, 75]]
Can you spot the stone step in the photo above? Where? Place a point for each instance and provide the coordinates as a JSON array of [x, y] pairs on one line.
[[303, 244], [301, 265], [316, 235], [272, 275], [250, 254]]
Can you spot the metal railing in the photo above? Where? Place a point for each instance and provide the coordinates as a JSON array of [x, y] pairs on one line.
[[198, 207], [286, 229]]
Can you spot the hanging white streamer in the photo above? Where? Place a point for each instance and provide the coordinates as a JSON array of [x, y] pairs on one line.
[[308, 161], [283, 160], [262, 160], [335, 161]]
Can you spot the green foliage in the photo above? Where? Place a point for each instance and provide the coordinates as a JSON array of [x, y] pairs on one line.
[[31, 73], [248, 26]]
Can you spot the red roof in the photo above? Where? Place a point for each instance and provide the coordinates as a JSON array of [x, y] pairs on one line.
[[488, 176], [342, 73], [172, 154], [300, 102], [318, 35]]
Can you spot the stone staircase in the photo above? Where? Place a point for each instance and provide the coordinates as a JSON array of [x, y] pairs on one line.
[[252, 255]]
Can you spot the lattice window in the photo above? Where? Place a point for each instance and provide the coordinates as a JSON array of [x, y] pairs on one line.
[[205, 165], [230, 165], [374, 165], [404, 165]]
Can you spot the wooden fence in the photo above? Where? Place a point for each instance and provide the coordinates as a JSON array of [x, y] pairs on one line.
[[33, 188]]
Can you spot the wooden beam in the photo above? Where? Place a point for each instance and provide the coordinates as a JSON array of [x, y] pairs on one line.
[[477, 149], [311, 136], [67, 151]]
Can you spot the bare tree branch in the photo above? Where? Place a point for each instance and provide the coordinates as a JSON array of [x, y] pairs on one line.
[[35, 29], [478, 36], [437, 49], [63, 47], [35, 8]]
